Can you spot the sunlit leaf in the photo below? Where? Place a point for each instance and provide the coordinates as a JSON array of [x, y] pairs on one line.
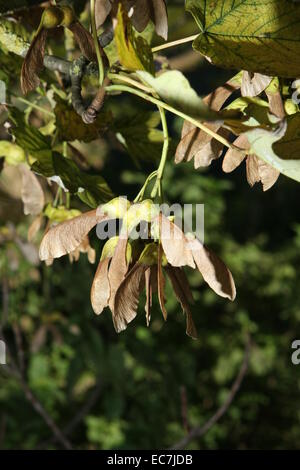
[[259, 36], [134, 52]]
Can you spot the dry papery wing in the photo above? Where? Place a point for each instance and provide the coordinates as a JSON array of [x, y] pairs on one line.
[[175, 244], [33, 62], [34, 228], [197, 143], [85, 41], [276, 103], [100, 291], [32, 193], [254, 84], [127, 297], [102, 10], [213, 270], [142, 11], [235, 155], [149, 292], [259, 171], [161, 283], [183, 297], [67, 236], [256, 169], [85, 248], [118, 269]]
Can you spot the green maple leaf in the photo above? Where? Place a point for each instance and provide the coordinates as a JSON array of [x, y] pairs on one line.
[[259, 36]]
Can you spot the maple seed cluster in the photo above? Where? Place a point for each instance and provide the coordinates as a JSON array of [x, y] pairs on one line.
[[129, 266]]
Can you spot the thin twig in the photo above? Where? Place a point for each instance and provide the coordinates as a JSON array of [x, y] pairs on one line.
[[20, 349], [15, 372], [199, 431], [184, 409], [178, 42], [157, 102], [78, 418]]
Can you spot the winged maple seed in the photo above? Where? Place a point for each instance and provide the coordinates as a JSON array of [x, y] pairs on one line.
[[53, 17], [128, 266], [139, 11], [199, 145], [196, 143], [256, 169]]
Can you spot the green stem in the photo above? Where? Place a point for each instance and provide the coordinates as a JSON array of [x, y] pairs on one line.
[[36, 106], [158, 184], [166, 106], [57, 197], [96, 42], [174, 43], [124, 78], [142, 191]]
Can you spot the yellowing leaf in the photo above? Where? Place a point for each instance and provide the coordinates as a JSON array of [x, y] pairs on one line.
[[259, 36], [134, 52], [12, 153]]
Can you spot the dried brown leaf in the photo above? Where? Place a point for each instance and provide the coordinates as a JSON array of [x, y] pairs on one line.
[[34, 62], [100, 291]]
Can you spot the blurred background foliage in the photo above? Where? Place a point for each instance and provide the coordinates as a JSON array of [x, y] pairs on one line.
[[127, 391]]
